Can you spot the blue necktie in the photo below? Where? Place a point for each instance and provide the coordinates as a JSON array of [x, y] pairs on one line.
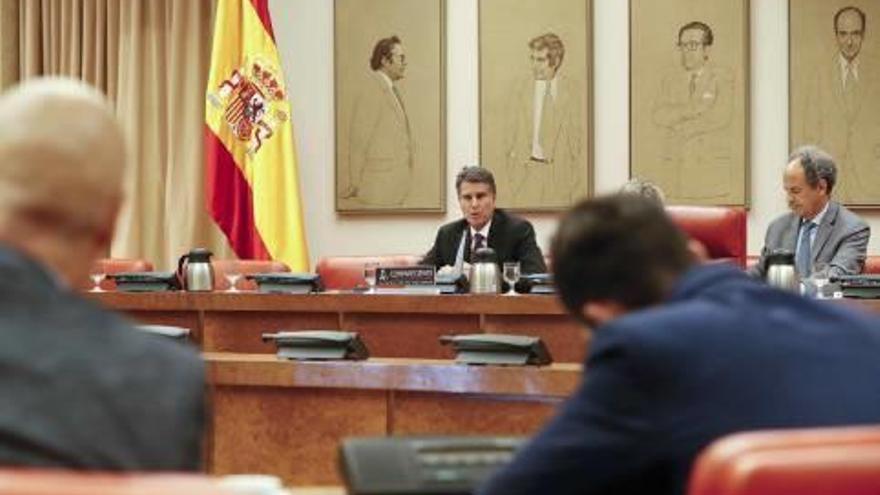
[[803, 263]]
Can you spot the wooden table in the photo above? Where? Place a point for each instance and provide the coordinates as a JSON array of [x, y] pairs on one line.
[[287, 418], [391, 325]]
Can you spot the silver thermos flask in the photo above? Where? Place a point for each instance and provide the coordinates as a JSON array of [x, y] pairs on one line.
[[195, 270], [485, 277], [781, 272]]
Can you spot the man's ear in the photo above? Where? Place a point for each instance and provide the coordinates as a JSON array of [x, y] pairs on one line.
[[602, 312]]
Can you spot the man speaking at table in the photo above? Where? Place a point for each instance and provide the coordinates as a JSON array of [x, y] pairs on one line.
[[483, 225]]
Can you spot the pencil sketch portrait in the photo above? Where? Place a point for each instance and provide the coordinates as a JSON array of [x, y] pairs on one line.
[[689, 136], [388, 143], [836, 92], [533, 109]]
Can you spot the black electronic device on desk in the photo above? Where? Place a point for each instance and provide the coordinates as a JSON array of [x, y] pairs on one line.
[[858, 286], [318, 345], [423, 465], [287, 283], [145, 281], [535, 283], [496, 348]]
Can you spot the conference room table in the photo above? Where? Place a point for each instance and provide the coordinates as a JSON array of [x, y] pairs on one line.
[[399, 326], [287, 418]]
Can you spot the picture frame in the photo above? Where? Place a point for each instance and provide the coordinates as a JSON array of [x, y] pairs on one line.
[[834, 91], [390, 103], [536, 101], [689, 99]]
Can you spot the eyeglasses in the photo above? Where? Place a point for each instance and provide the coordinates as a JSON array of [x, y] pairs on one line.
[[690, 45]]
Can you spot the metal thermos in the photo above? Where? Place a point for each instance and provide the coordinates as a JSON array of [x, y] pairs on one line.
[[781, 272], [485, 277], [195, 270]]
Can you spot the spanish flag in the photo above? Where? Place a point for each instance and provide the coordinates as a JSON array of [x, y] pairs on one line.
[[251, 176]]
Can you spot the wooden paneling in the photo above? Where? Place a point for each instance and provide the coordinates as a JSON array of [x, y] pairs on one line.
[[391, 325], [287, 418]]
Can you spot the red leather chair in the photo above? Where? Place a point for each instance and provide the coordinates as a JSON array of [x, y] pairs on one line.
[[721, 230], [347, 272], [243, 267], [59, 482], [872, 265], [111, 266], [839, 461]]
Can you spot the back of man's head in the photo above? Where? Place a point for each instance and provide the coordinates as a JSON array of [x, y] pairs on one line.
[[622, 249], [62, 157]]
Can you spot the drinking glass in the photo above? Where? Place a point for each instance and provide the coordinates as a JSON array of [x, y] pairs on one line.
[[232, 277], [370, 276], [510, 272], [97, 276]]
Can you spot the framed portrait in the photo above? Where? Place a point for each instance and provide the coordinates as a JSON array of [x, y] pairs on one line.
[[536, 101], [390, 106], [834, 90], [689, 99]]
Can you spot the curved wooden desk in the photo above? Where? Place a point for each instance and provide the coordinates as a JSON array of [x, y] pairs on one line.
[[287, 418], [391, 325]]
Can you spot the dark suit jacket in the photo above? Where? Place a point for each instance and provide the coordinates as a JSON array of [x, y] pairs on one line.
[[512, 238], [724, 354], [841, 242], [84, 389]]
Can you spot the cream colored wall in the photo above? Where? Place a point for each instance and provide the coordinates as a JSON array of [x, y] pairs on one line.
[[304, 32]]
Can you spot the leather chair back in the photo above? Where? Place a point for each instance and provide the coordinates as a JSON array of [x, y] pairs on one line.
[[59, 482], [841, 460], [243, 267], [721, 230], [347, 272]]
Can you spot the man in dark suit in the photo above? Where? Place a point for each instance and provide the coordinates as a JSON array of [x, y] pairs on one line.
[[82, 388], [483, 225], [827, 239], [682, 355]]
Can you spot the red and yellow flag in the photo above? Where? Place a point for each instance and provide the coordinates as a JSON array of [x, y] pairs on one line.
[[251, 176]]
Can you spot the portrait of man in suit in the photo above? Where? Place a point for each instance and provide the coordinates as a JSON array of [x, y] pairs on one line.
[[544, 146], [380, 142], [694, 110], [840, 112]]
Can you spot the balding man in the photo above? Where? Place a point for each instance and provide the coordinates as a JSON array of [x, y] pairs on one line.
[[83, 388]]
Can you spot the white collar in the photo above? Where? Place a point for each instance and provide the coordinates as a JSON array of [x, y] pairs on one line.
[[845, 64], [541, 86], [819, 216], [384, 77], [484, 231]]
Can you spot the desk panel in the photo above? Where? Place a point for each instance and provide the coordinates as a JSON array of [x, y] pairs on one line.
[[391, 325], [287, 418]]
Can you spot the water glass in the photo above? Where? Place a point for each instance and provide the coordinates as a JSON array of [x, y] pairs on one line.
[[232, 278], [510, 273], [97, 277], [370, 276]]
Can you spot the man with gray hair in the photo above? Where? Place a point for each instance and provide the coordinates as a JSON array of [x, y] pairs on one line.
[[827, 239], [84, 388], [645, 189]]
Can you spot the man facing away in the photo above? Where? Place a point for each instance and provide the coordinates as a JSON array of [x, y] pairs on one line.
[[83, 388], [827, 239], [380, 147], [682, 354], [483, 225]]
